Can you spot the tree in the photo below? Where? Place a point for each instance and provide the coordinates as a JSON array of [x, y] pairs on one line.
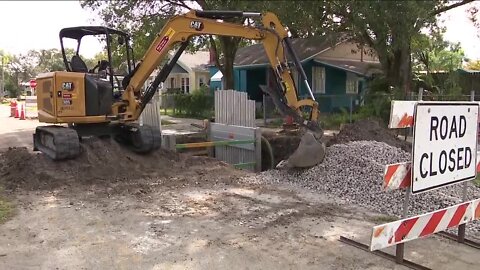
[[432, 53], [91, 62], [146, 18], [9, 75], [49, 60], [23, 67], [389, 28], [439, 61], [386, 26]]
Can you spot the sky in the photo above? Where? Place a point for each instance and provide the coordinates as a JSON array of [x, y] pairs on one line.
[[28, 25], [461, 29]]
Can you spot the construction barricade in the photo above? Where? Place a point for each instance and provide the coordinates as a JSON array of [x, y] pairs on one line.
[[236, 145], [444, 153], [233, 137], [13, 108], [31, 110]]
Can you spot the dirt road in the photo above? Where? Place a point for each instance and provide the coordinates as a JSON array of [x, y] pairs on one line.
[[223, 226], [192, 214]]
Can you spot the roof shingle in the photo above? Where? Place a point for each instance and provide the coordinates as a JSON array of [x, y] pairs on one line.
[[355, 66], [304, 47]]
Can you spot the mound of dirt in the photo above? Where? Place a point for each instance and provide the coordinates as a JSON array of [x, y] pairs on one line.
[[368, 130], [102, 162]]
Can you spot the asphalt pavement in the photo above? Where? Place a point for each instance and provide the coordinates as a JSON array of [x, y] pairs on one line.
[[15, 132]]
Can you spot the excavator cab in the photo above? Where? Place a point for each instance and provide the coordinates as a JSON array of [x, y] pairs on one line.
[[104, 68], [83, 97]]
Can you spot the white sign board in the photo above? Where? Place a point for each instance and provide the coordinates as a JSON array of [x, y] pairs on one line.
[[444, 144]]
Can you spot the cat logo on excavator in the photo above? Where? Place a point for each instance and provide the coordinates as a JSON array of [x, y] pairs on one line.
[[197, 25]]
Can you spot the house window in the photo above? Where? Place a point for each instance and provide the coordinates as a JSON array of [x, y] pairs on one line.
[[201, 81], [318, 80], [186, 85], [352, 84], [172, 82]]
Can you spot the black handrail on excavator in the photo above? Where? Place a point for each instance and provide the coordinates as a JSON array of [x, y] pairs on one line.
[[161, 77]]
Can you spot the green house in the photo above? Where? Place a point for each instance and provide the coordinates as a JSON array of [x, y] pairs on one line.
[[337, 70]]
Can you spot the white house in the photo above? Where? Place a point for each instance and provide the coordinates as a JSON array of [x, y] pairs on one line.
[[190, 72]]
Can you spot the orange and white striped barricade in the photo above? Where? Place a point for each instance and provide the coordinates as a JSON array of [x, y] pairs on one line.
[[420, 226], [399, 175], [444, 153], [13, 108]]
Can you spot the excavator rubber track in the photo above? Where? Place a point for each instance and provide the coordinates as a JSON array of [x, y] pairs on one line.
[[57, 142]]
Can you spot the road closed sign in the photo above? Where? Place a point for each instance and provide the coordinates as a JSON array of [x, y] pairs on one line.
[[444, 144]]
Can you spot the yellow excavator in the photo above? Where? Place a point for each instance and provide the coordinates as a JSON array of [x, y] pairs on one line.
[[95, 102]]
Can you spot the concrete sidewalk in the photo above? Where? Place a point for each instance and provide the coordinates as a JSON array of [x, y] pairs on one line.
[[180, 126]]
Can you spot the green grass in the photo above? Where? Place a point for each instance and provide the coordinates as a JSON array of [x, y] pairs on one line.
[[170, 112], [6, 210], [476, 182]]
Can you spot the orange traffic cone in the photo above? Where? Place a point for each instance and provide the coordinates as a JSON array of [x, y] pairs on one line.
[[16, 112], [13, 108], [22, 114]]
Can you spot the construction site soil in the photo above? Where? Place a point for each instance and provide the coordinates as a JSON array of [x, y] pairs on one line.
[[113, 209], [368, 130], [103, 163]]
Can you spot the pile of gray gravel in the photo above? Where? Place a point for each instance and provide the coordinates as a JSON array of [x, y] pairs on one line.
[[353, 172]]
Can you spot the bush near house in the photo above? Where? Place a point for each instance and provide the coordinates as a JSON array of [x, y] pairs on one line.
[[197, 104]]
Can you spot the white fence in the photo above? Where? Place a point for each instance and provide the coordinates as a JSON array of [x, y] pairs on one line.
[[235, 120], [234, 108]]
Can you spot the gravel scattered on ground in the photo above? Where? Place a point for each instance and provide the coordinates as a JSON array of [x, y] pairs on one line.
[[353, 173]]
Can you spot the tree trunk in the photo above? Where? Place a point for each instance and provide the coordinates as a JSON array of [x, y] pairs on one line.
[[397, 66], [229, 48], [405, 73]]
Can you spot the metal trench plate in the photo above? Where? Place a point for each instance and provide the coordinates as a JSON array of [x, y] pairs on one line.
[[221, 132]]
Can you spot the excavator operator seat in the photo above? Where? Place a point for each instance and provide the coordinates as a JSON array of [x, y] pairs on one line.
[[78, 65]]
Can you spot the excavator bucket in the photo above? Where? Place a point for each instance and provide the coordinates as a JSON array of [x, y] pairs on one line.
[[310, 152]]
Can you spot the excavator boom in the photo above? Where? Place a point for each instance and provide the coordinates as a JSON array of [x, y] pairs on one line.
[[180, 29]]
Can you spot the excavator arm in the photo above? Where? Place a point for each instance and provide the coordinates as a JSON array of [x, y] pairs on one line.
[[180, 29], [64, 142]]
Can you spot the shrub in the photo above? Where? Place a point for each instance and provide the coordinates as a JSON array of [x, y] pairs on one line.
[[197, 104]]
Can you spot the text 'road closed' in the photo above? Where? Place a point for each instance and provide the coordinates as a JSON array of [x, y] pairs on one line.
[[445, 144]]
